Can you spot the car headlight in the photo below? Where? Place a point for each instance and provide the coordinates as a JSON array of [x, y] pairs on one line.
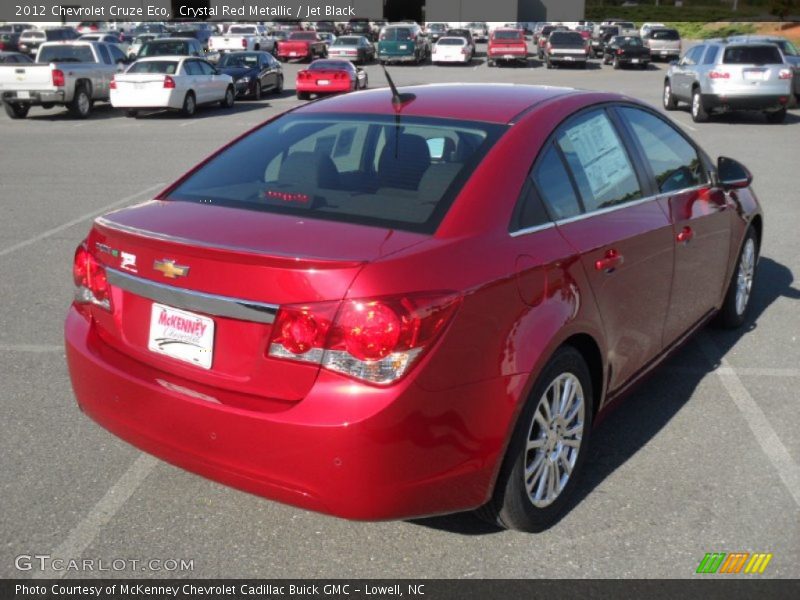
[[244, 80]]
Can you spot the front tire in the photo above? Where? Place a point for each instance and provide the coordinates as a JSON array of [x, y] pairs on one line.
[[737, 299], [547, 449], [81, 105], [699, 113], [668, 99], [16, 110], [229, 99], [303, 95]]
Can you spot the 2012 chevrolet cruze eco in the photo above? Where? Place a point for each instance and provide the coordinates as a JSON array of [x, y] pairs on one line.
[[382, 306]]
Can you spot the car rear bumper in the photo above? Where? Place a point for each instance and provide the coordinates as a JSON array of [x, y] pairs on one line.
[[294, 54], [569, 58], [745, 102], [147, 99], [397, 57], [34, 97], [349, 450]]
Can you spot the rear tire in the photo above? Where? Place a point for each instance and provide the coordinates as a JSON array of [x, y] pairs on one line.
[[777, 117], [547, 449], [189, 105], [229, 99], [737, 299], [699, 113], [16, 110], [303, 95], [81, 105], [131, 114]]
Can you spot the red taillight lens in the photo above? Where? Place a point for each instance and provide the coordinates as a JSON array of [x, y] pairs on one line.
[[374, 340], [244, 43], [719, 75], [169, 83], [620, 51], [113, 84], [785, 74], [90, 279], [58, 77]]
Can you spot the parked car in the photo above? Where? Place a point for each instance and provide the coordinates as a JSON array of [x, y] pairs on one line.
[[646, 28], [358, 26], [452, 50], [145, 28], [566, 47], [303, 45], [544, 35], [92, 26], [171, 46], [790, 53], [16, 27], [717, 76], [140, 40], [14, 58], [243, 37], [327, 38], [180, 83], [201, 34], [30, 40], [106, 38], [625, 27], [71, 74], [507, 45], [463, 33], [402, 43], [435, 31], [325, 27], [330, 76], [253, 73], [356, 48], [663, 43], [293, 316], [626, 50], [9, 42], [604, 34], [479, 30]]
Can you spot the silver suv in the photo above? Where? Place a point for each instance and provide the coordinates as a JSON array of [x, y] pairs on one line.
[[721, 76]]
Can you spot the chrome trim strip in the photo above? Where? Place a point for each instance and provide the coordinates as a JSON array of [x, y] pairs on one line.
[[534, 229], [210, 304]]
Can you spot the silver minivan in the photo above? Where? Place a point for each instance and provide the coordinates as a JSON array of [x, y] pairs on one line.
[[720, 76]]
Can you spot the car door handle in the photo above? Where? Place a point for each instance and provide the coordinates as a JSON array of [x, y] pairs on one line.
[[686, 235], [609, 262]]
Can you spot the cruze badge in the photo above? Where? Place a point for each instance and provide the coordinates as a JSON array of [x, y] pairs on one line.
[[170, 269]]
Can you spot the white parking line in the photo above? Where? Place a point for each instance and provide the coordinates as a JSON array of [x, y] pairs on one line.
[[765, 435], [746, 371], [76, 221], [86, 531], [31, 348]]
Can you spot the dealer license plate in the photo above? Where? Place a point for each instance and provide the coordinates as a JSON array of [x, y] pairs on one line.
[[24, 95], [323, 82], [635, 60], [181, 335]]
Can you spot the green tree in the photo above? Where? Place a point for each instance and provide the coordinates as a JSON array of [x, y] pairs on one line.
[[782, 8]]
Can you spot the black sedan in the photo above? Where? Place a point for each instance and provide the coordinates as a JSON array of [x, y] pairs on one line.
[[253, 73], [625, 50]]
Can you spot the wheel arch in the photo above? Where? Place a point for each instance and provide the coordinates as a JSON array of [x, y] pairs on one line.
[[588, 348]]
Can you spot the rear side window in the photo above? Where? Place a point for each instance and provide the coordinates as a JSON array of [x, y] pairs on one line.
[[675, 163], [366, 169], [192, 67], [599, 162], [553, 184], [710, 56], [752, 55]]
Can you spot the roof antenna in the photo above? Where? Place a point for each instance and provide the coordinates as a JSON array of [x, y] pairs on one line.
[[398, 99]]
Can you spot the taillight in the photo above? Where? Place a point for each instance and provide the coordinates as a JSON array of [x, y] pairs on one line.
[[244, 43], [374, 340], [90, 279], [719, 75], [169, 83], [620, 51], [58, 78], [785, 74], [113, 84]]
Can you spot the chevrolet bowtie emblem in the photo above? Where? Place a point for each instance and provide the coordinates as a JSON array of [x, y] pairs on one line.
[[170, 269]]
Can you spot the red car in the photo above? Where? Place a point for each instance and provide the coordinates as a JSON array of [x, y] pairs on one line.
[[330, 77], [388, 305], [302, 45], [507, 45]]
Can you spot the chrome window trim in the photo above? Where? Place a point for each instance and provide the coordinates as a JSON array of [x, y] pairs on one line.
[[533, 229], [210, 304]]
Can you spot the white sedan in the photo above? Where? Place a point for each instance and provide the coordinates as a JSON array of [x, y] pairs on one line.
[[452, 50], [174, 82]]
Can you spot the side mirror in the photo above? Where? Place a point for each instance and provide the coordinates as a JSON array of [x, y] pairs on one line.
[[732, 174]]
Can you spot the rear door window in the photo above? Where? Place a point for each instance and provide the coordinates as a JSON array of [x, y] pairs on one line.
[[710, 56], [674, 162], [598, 161]]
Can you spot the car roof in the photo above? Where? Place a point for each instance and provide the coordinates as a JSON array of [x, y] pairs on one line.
[[175, 57], [491, 103]]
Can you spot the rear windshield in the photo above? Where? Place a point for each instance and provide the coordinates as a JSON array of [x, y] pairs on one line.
[[559, 38], [628, 40], [329, 65], [392, 34], [65, 53], [234, 29], [507, 35], [239, 59], [752, 55], [459, 32], [34, 35], [368, 169], [164, 67], [452, 41], [438, 27], [164, 48], [304, 37], [346, 41], [144, 38], [664, 34]]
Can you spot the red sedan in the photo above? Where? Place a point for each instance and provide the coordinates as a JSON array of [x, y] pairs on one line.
[[385, 306], [330, 76]]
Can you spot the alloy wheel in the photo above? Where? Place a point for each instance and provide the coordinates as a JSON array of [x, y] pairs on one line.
[[744, 277]]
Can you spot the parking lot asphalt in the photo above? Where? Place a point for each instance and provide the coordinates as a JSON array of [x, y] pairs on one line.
[[703, 457]]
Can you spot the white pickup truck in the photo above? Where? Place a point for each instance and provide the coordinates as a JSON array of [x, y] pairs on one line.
[[240, 38], [72, 74]]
